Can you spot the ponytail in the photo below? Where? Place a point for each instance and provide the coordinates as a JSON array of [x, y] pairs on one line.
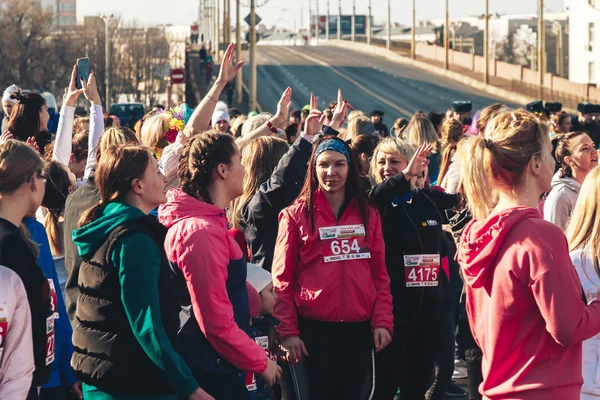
[[475, 163], [91, 214], [54, 230], [447, 154]]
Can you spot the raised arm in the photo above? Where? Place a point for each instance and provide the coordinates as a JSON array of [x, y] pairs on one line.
[[90, 90], [200, 119], [276, 122], [64, 134], [399, 184]]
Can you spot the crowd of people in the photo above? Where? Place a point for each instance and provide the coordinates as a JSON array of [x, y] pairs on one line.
[[306, 254]]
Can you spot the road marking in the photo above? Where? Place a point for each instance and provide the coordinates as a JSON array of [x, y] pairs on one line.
[[354, 82]]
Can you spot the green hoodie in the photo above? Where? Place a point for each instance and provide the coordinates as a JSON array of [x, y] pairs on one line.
[[138, 260]]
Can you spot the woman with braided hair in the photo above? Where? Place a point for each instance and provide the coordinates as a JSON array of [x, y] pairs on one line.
[[212, 338]]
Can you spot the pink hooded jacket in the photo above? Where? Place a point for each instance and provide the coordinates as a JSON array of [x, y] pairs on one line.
[[199, 242], [525, 306]]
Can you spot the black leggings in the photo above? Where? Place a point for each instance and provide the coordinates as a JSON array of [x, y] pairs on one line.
[[445, 359], [408, 361], [339, 358], [221, 386], [471, 353]]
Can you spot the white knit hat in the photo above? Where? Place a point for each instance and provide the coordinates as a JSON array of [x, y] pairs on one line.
[[8, 92], [257, 277], [220, 115]]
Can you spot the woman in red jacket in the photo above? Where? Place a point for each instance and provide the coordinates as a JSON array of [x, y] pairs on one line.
[[330, 277]]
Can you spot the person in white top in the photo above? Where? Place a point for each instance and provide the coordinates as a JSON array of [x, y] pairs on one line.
[[583, 234], [16, 344]]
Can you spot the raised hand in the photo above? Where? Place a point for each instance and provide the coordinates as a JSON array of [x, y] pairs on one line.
[[340, 112], [90, 89], [228, 71], [72, 93], [315, 119], [32, 143], [283, 108], [5, 137], [419, 162]]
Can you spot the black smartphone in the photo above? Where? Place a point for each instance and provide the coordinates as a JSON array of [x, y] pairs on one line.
[[83, 71]]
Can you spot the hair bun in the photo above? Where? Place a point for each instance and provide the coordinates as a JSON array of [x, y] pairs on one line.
[[17, 96]]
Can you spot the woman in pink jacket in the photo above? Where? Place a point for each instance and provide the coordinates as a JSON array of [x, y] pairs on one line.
[[329, 274], [524, 299], [213, 339]]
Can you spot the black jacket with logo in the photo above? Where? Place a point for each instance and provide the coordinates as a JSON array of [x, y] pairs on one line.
[[412, 228]]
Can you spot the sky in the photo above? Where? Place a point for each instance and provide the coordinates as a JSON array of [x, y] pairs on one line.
[[284, 12]]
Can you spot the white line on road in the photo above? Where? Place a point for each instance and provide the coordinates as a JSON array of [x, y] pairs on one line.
[[402, 110]]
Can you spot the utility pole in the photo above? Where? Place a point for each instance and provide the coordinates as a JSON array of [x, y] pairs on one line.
[[106, 63], [447, 38], [413, 43], [339, 21], [559, 49], [541, 46], [327, 23], [369, 28], [318, 24], [217, 31], [310, 28], [486, 44], [353, 20], [225, 21], [238, 44], [253, 55], [389, 25]]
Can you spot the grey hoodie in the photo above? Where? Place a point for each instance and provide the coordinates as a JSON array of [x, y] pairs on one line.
[[561, 200]]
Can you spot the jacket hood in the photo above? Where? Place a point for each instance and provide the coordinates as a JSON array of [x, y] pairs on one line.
[[181, 205], [559, 182], [91, 236], [481, 240]]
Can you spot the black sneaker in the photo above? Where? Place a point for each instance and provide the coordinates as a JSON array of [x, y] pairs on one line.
[[455, 391]]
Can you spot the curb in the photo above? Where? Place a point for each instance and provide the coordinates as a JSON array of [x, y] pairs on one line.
[[456, 76]]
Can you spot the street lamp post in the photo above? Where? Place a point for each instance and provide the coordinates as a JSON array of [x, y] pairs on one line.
[[413, 44], [369, 29], [253, 104], [327, 26], [238, 43], [541, 45], [447, 38], [339, 21], [354, 20], [106, 63], [389, 25], [486, 45]]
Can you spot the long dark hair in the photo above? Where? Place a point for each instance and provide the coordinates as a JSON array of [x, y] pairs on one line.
[[199, 158], [352, 188], [24, 120], [118, 167]]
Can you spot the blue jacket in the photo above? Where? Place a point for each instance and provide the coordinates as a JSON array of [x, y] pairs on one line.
[[60, 373]]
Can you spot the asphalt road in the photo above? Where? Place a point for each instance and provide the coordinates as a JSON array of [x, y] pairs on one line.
[[368, 82]]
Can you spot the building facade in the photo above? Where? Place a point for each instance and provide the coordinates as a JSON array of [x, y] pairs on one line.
[[584, 25]]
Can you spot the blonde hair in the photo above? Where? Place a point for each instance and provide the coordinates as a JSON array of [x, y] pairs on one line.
[[583, 231], [115, 136], [356, 114], [497, 160], [390, 145], [452, 133], [254, 123], [354, 126], [421, 131], [260, 158], [80, 125], [238, 121], [154, 129]]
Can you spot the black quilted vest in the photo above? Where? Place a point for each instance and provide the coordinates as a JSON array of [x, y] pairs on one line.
[[107, 354]]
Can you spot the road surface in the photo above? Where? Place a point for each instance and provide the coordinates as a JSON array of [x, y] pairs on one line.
[[368, 82]]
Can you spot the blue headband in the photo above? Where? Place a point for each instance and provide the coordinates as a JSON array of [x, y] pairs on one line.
[[332, 145]]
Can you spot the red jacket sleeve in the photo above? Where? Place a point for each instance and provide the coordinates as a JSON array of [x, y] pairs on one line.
[[558, 295], [283, 271], [206, 275], [383, 316]]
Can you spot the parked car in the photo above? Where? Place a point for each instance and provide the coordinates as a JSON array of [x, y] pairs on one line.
[[128, 113]]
